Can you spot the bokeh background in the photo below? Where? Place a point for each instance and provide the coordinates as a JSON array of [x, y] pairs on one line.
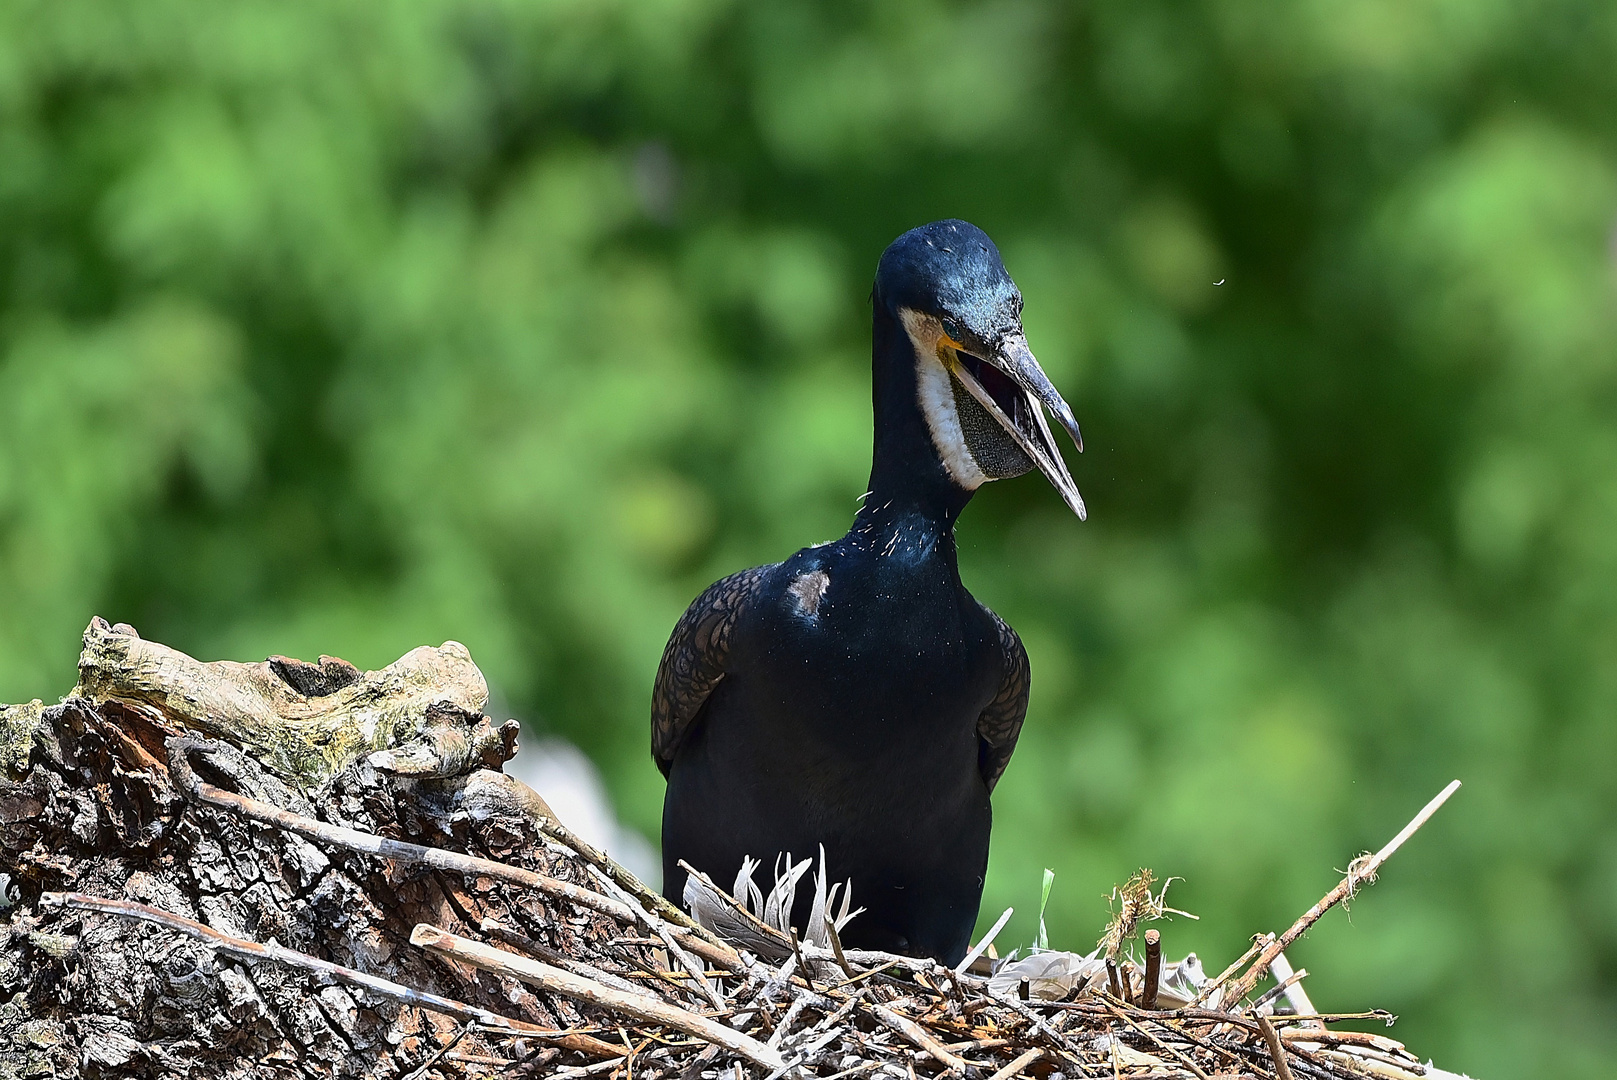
[[349, 327]]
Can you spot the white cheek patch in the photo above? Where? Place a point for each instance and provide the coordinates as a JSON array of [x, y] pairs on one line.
[[935, 391]]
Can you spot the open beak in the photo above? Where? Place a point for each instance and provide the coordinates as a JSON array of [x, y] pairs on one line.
[[1015, 391]]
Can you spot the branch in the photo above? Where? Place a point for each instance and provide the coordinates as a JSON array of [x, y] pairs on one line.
[[1276, 1051], [1361, 870], [916, 1034], [185, 778], [640, 1006], [254, 951]]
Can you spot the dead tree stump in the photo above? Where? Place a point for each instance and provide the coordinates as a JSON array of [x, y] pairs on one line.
[[87, 804]]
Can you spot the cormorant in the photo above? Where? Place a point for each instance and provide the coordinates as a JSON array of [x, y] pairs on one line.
[[856, 695]]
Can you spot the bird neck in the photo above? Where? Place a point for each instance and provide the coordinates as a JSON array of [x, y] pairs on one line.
[[901, 532], [908, 481]]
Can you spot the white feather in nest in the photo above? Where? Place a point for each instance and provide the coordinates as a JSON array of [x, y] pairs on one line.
[[762, 923], [1053, 975]]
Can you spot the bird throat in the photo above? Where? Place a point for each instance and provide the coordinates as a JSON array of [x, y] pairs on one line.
[[973, 446], [995, 453]]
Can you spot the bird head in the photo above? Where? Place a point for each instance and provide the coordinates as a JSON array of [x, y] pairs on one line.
[[982, 393]]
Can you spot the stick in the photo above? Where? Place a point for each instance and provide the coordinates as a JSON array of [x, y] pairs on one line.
[[1184, 1059], [1276, 1051], [1063, 1045], [1018, 1065], [1360, 870], [540, 951], [916, 1034], [836, 946], [1286, 983], [982, 946], [186, 779], [1153, 969], [1348, 1038], [721, 954], [658, 927], [1295, 994], [418, 1073], [640, 1006], [1207, 990], [627, 881], [253, 951]]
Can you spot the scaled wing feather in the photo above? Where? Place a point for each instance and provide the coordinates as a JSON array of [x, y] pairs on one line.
[[696, 659], [1001, 722]]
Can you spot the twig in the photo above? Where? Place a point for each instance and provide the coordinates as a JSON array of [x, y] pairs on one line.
[[1366, 1064], [539, 951], [1208, 989], [1153, 969], [640, 1006], [1205, 1044], [1351, 1038], [1184, 1059], [254, 951], [836, 946], [1279, 988], [797, 951], [1022, 1062], [186, 779], [982, 946], [1216, 1016], [916, 1034], [658, 927], [1361, 870], [1295, 994], [1063, 1044], [865, 975], [1276, 1050], [1336, 1018], [626, 881], [417, 1073]]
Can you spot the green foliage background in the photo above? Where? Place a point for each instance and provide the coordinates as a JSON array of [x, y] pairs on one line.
[[345, 327]]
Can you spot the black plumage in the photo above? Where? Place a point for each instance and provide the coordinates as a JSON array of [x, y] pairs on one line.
[[856, 695]]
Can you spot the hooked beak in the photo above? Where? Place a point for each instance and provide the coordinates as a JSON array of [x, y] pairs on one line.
[[1020, 409]]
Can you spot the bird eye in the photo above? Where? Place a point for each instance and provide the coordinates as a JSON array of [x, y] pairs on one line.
[[952, 329]]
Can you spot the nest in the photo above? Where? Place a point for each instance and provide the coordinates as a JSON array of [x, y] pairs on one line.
[[510, 947]]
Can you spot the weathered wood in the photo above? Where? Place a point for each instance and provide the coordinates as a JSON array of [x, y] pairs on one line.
[[88, 805], [371, 844], [419, 716], [17, 726], [636, 1006]]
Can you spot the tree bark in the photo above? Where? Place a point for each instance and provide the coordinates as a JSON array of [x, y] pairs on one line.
[[88, 805]]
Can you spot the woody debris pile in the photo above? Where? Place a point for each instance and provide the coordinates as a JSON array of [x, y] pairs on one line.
[[294, 869]]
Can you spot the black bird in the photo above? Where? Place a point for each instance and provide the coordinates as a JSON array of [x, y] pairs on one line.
[[856, 695]]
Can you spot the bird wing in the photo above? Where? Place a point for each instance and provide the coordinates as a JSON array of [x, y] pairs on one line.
[[1001, 722], [696, 659]]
